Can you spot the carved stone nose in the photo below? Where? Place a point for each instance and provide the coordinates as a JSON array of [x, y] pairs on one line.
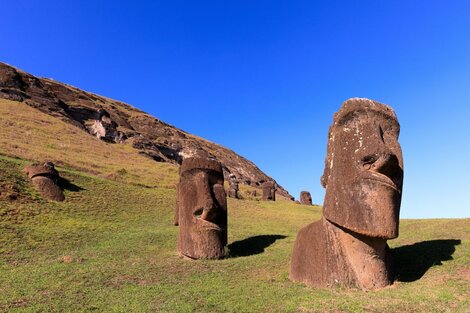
[[386, 164], [207, 212]]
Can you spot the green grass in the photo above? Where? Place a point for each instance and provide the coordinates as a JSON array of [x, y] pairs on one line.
[[111, 247]]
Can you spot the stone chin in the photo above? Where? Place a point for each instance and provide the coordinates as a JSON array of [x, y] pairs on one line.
[[207, 242], [372, 210]]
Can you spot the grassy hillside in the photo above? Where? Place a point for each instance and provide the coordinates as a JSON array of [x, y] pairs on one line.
[[30, 134], [110, 247]]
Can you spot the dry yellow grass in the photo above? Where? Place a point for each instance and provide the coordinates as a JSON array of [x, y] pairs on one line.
[[30, 134]]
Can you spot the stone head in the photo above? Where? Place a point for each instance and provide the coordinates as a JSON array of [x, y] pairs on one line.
[[269, 191], [46, 180], [363, 173], [202, 209], [305, 198]]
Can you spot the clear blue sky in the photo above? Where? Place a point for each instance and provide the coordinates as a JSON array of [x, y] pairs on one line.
[[265, 77]]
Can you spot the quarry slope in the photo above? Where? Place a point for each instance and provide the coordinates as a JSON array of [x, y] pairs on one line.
[[122, 124]]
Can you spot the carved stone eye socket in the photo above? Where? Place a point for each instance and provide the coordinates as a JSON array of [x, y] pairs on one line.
[[367, 161], [198, 212]]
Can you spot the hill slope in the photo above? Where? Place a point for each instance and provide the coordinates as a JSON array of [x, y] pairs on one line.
[[111, 247], [117, 122]]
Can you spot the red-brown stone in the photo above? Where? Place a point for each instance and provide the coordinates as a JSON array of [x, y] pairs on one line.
[[45, 179], [363, 178], [201, 209]]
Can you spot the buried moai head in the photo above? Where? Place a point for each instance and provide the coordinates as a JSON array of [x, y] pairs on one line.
[[363, 173], [201, 210], [269, 191], [45, 178], [305, 198]]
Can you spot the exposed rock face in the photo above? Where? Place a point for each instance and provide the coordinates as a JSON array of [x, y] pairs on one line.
[[122, 123], [305, 198], [105, 128], [233, 187], [201, 209], [363, 178], [269, 191], [45, 178]]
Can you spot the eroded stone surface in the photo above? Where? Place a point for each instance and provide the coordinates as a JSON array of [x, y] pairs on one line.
[[45, 179], [305, 198], [105, 128], [269, 191], [201, 209], [233, 187], [363, 178]]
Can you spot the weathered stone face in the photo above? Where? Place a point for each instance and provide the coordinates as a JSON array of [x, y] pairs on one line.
[[233, 189], [363, 178], [45, 178], [201, 209], [269, 191], [305, 198], [364, 169]]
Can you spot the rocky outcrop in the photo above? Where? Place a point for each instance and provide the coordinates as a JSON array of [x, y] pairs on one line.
[[117, 122]]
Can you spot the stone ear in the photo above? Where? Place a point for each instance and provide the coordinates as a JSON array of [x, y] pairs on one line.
[[328, 161]]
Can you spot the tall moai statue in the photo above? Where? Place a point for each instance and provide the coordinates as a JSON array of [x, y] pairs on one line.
[[201, 209], [45, 179], [363, 178], [269, 191], [233, 187], [305, 198]]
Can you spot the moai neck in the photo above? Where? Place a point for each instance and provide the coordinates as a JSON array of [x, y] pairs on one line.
[[367, 257]]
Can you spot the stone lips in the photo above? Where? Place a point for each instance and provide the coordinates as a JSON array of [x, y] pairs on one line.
[[45, 179], [122, 123], [201, 209], [363, 178]]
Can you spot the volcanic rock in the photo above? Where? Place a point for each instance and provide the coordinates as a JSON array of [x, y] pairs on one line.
[[363, 178], [45, 178], [201, 209], [305, 198], [122, 123], [269, 191]]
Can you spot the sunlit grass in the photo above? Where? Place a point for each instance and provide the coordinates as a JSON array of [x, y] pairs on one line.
[[111, 247]]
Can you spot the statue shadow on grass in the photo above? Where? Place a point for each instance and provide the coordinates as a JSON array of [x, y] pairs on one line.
[[411, 262], [252, 245], [66, 184]]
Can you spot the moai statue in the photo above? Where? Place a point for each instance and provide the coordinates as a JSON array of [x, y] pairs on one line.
[[233, 187], [269, 191], [305, 198], [45, 178], [201, 209], [363, 178]]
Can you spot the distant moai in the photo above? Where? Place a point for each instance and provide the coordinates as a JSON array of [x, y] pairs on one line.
[[45, 179], [201, 209], [269, 191], [305, 198], [233, 187], [363, 178]]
